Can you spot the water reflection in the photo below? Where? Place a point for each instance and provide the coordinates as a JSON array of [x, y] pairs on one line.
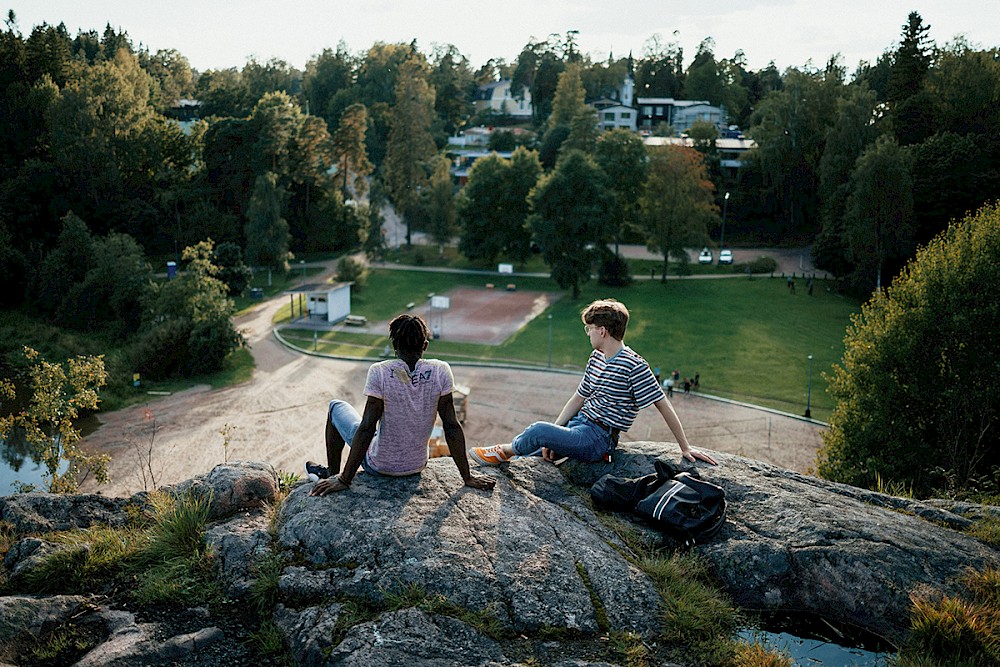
[[813, 640], [18, 464]]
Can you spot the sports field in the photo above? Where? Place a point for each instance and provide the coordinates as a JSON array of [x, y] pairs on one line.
[[748, 339]]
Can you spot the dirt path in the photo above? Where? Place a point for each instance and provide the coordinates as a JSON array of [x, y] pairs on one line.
[[277, 417]]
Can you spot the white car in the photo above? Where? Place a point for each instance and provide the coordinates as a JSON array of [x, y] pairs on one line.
[[705, 256], [725, 257]]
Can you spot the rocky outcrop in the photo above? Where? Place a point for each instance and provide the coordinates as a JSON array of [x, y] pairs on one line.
[[795, 542], [529, 558], [531, 552]]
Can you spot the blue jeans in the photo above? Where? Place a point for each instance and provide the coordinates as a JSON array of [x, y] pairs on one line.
[[346, 420], [580, 439]]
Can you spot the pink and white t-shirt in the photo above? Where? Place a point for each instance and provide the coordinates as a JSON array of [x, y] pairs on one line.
[[410, 400]]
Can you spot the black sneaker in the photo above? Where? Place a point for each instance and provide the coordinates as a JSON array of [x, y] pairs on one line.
[[316, 472]]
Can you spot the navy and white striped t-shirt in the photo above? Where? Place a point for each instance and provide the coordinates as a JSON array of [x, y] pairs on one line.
[[615, 389]]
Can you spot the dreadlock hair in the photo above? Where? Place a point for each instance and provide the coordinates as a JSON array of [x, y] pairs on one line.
[[608, 313], [409, 335]]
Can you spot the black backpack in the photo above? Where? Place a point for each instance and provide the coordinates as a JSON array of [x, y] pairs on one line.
[[674, 500]]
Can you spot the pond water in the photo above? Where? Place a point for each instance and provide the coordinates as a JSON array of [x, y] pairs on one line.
[[18, 464], [27, 472], [817, 642]]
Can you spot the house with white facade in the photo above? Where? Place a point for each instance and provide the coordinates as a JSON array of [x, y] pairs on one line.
[[617, 110], [616, 115], [499, 98], [685, 115], [327, 303], [678, 114]]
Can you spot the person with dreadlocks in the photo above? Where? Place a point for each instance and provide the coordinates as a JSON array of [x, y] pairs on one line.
[[403, 396]]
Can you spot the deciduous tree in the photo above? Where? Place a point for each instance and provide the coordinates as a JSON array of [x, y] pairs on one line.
[[917, 396], [538, 68], [571, 208], [853, 130], [451, 78], [789, 127], [411, 145], [59, 393], [440, 203], [493, 207], [879, 214], [266, 231], [704, 80], [349, 153], [188, 328], [622, 157], [660, 71], [677, 204]]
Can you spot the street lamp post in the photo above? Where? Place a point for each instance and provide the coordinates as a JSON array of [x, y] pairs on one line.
[[550, 340], [725, 209], [809, 388]]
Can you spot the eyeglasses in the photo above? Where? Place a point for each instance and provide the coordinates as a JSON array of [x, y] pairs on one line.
[[587, 328]]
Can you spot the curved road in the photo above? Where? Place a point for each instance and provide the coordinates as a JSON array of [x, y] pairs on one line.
[[278, 416]]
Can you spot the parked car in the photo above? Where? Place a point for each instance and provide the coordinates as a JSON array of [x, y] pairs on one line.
[[725, 257], [705, 256]]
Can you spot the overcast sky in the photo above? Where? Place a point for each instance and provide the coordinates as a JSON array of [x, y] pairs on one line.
[[215, 34]]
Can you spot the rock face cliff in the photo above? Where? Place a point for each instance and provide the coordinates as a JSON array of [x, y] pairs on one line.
[[531, 559]]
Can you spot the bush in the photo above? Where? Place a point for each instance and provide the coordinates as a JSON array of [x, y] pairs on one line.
[[350, 270], [614, 272], [188, 330], [918, 385], [763, 265], [233, 272], [161, 351], [502, 140]]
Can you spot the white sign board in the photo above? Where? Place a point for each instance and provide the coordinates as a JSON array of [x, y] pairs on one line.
[[441, 302], [505, 268]]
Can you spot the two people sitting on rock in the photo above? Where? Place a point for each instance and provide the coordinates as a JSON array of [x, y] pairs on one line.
[[616, 384], [403, 397]]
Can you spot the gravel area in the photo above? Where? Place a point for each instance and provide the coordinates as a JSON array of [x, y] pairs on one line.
[[278, 417]]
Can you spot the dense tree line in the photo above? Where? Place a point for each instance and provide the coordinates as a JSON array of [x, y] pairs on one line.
[[875, 167], [283, 161]]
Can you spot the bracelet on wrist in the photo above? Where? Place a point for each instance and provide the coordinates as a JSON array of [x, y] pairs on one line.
[[341, 480]]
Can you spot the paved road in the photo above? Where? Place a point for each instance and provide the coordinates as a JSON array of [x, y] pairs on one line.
[[790, 260]]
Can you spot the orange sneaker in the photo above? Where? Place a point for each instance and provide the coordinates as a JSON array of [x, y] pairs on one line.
[[489, 456]]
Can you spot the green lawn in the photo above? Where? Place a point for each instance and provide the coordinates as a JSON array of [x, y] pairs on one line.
[[749, 339]]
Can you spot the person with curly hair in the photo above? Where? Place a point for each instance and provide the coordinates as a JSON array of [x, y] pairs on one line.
[[403, 397]]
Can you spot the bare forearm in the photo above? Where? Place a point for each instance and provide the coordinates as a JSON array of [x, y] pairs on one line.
[[673, 422], [359, 447], [455, 437], [572, 407]]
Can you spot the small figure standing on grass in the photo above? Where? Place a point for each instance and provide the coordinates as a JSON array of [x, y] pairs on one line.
[[616, 384], [403, 397]]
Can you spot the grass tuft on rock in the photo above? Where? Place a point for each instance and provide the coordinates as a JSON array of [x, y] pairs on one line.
[[956, 630], [987, 530], [756, 655], [86, 561], [162, 562]]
